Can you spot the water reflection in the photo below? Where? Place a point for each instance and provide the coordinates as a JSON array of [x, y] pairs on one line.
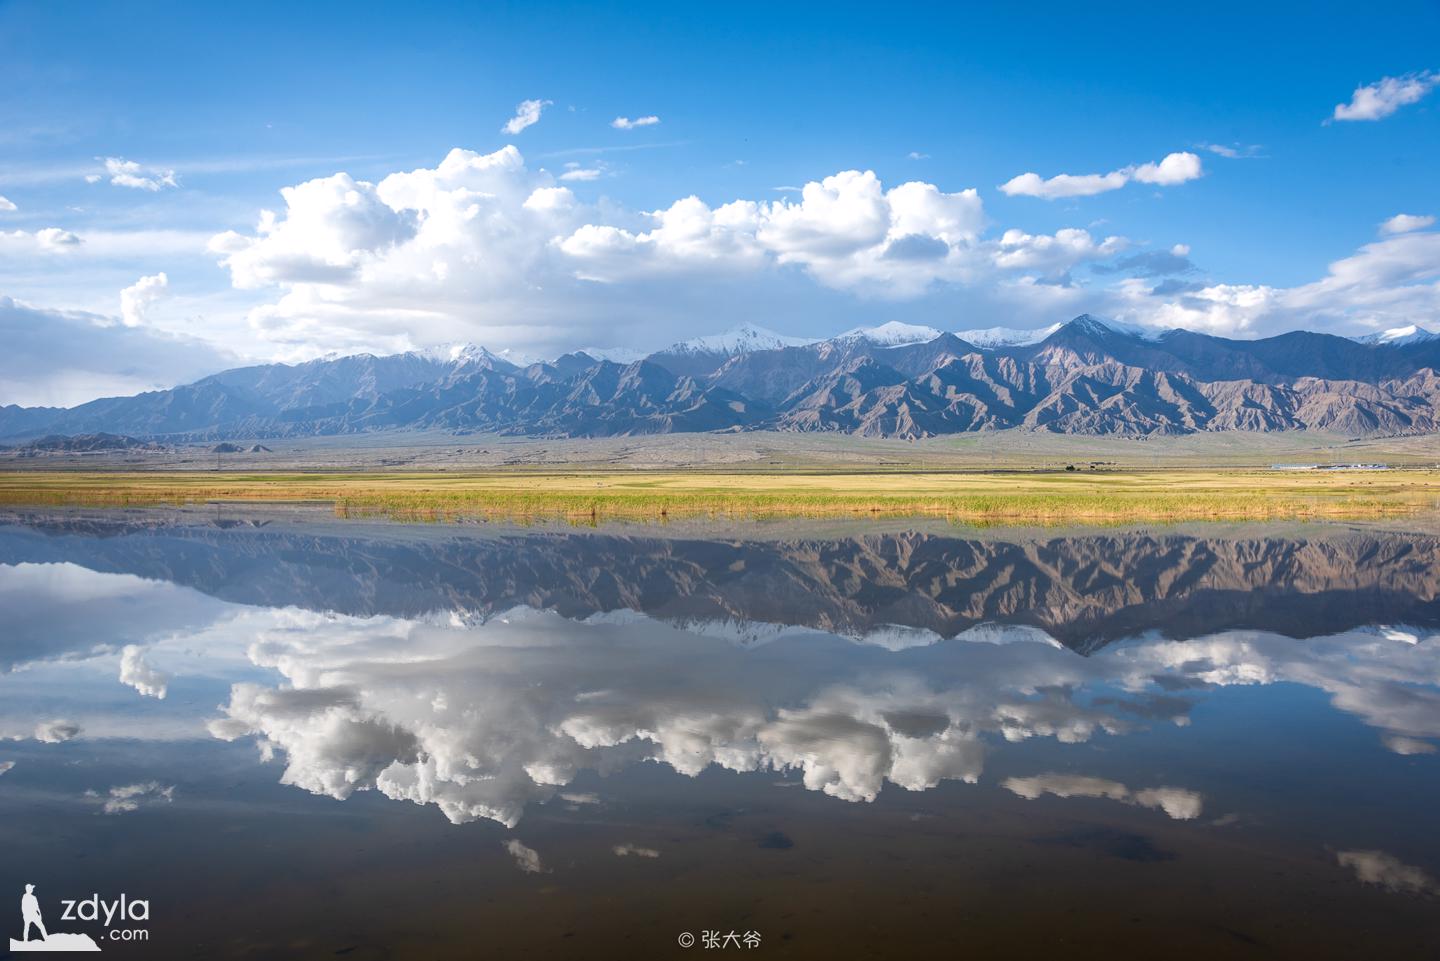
[[482, 673], [896, 589]]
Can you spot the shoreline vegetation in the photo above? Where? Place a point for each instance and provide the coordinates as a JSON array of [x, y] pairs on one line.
[[1001, 496]]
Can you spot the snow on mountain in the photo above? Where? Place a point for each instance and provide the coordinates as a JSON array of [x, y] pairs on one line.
[[738, 340], [990, 338], [1097, 325], [1398, 336], [465, 354], [616, 355], [892, 334]]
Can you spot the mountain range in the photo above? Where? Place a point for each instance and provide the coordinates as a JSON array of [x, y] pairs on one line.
[[1087, 376]]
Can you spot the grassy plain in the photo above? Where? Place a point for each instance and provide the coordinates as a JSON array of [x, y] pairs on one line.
[[1018, 496]]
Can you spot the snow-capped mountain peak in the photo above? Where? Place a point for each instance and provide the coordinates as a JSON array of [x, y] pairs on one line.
[[464, 354], [990, 338], [892, 334], [1089, 323], [738, 340], [616, 355], [1398, 336]]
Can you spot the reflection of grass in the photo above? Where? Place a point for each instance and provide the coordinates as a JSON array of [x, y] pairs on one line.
[[1043, 497]]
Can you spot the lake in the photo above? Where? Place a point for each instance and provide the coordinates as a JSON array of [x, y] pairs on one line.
[[293, 735]]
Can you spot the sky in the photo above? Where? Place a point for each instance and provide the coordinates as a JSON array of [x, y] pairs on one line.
[[184, 189]]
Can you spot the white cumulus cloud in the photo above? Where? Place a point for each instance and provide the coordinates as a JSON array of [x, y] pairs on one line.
[[527, 114], [626, 123], [139, 674], [1404, 223], [46, 240], [1175, 168], [1375, 101], [129, 173], [6, 204], [135, 300]]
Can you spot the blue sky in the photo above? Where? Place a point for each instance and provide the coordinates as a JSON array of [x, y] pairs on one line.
[[206, 115]]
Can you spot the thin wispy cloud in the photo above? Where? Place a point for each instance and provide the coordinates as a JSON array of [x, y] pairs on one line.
[[617, 148], [626, 123], [1175, 168], [1378, 100], [1234, 151], [129, 173], [917, 155], [582, 174], [527, 114]]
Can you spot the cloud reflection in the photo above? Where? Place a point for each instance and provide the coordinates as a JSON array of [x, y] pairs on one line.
[[482, 721]]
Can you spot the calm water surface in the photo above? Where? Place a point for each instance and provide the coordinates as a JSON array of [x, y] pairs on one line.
[[296, 736]]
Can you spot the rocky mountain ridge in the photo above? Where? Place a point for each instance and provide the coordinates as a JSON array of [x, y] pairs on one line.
[[1087, 376]]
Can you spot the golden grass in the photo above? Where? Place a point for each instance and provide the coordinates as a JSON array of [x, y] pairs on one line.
[[1020, 496]]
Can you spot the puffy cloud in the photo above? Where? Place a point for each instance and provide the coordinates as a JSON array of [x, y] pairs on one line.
[[54, 238], [45, 240], [333, 745], [123, 799], [136, 299], [1404, 223], [1179, 803], [128, 173], [1380, 99], [137, 672], [1052, 254], [1384, 284], [56, 731], [625, 123], [846, 231], [6, 766], [1175, 168], [6, 204], [331, 226], [1400, 744], [527, 114], [58, 357], [483, 248], [1387, 871], [428, 711], [527, 859]]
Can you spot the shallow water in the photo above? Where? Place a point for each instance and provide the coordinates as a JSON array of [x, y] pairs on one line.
[[296, 736]]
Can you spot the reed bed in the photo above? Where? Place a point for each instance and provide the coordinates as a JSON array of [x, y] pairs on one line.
[[1044, 497]]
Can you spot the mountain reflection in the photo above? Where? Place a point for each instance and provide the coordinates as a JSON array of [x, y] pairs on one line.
[[897, 589], [482, 673]]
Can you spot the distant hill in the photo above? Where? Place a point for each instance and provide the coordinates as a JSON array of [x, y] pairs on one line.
[[1087, 376], [59, 443]]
